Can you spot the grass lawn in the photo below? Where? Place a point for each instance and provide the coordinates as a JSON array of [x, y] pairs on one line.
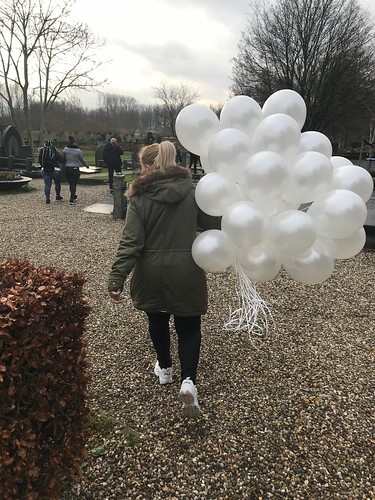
[[89, 156]]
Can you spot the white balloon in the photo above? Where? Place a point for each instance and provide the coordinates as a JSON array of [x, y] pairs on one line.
[[261, 262], [355, 179], [288, 102], [214, 193], [309, 176], [345, 248], [278, 133], [195, 126], [241, 194], [264, 176], [213, 251], [241, 112], [338, 214], [315, 141], [244, 224], [292, 232], [311, 267], [291, 205], [271, 208], [340, 161], [229, 151], [206, 165]]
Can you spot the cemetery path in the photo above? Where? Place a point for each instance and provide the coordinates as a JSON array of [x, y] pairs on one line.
[[291, 417]]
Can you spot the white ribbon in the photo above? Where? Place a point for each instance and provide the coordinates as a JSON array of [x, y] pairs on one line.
[[253, 315]]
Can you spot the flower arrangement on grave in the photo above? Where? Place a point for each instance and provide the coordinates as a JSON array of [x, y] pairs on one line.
[[9, 175]]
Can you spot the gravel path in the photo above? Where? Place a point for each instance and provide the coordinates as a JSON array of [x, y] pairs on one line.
[[292, 418]]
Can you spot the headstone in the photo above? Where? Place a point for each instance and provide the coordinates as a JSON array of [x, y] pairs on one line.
[[119, 199], [14, 154], [12, 142], [99, 162]]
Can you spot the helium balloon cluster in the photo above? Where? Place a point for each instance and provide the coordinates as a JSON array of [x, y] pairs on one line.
[[285, 201]]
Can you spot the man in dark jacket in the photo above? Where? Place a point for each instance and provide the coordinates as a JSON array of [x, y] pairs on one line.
[[112, 158]]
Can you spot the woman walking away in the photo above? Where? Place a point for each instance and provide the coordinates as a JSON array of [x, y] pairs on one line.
[[49, 160], [73, 158], [161, 225]]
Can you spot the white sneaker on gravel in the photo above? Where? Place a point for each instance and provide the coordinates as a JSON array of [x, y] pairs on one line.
[[164, 374], [188, 396]]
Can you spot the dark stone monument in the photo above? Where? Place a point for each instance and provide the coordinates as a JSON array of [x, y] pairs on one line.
[[99, 162], [119, 199], [14, 155]]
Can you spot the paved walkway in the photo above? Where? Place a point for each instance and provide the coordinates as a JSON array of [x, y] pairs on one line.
[[104, 207]]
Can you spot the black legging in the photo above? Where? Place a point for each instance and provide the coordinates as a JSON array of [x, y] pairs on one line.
[[188, 330], [72, 175]]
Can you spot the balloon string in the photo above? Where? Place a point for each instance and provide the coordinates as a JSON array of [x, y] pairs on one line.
[[253, 315]]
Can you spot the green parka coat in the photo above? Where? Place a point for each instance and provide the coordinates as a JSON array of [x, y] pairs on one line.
[[161, 224]]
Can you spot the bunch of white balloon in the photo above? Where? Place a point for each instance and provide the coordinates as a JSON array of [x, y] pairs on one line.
[[285, 201], [260, 173]]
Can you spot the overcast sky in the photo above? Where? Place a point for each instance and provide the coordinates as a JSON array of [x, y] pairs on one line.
[[150, 41]]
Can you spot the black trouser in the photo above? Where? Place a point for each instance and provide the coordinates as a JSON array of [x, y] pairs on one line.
[[111, 171], [72, 175], [193, 162], [189, 341]]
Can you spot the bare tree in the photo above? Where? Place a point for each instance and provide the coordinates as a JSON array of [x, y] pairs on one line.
[[122, 111], [146, 119], [323, 49], [174, 98], [44, 54], [216, 109]]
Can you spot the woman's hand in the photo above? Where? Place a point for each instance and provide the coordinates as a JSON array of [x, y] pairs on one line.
[[115, 296]]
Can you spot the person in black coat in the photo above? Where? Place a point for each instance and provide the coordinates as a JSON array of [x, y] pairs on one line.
[[112, 158], [194, 159]]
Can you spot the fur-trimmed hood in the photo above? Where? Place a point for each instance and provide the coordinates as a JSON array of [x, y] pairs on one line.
[[169, 187]]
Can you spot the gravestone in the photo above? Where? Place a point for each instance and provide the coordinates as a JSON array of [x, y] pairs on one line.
[[13, 153], [12, 142], [119, 199], [99, 162]]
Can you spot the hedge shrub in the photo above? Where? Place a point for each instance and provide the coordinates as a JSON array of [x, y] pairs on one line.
[[43, 379]]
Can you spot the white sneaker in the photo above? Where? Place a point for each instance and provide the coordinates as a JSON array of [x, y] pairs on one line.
[[188, 395], [164, 374]]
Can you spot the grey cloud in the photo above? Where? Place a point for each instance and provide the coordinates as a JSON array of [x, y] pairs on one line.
[[176, 60], [232, 13]]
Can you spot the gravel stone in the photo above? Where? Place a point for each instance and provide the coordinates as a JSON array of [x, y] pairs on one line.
[[291, 417]]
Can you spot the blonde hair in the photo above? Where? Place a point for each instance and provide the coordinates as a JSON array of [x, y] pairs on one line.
[[158, 156]]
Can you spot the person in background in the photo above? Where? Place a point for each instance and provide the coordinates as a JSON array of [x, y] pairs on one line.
[[161, 224], [193, 162], [178, 155], [112, 158], [49, 160], [72, 159]]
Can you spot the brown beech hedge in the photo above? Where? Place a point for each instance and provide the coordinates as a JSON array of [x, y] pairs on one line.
[[43, 379]]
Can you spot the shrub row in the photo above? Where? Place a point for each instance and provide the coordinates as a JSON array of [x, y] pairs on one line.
[[43, 379]]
